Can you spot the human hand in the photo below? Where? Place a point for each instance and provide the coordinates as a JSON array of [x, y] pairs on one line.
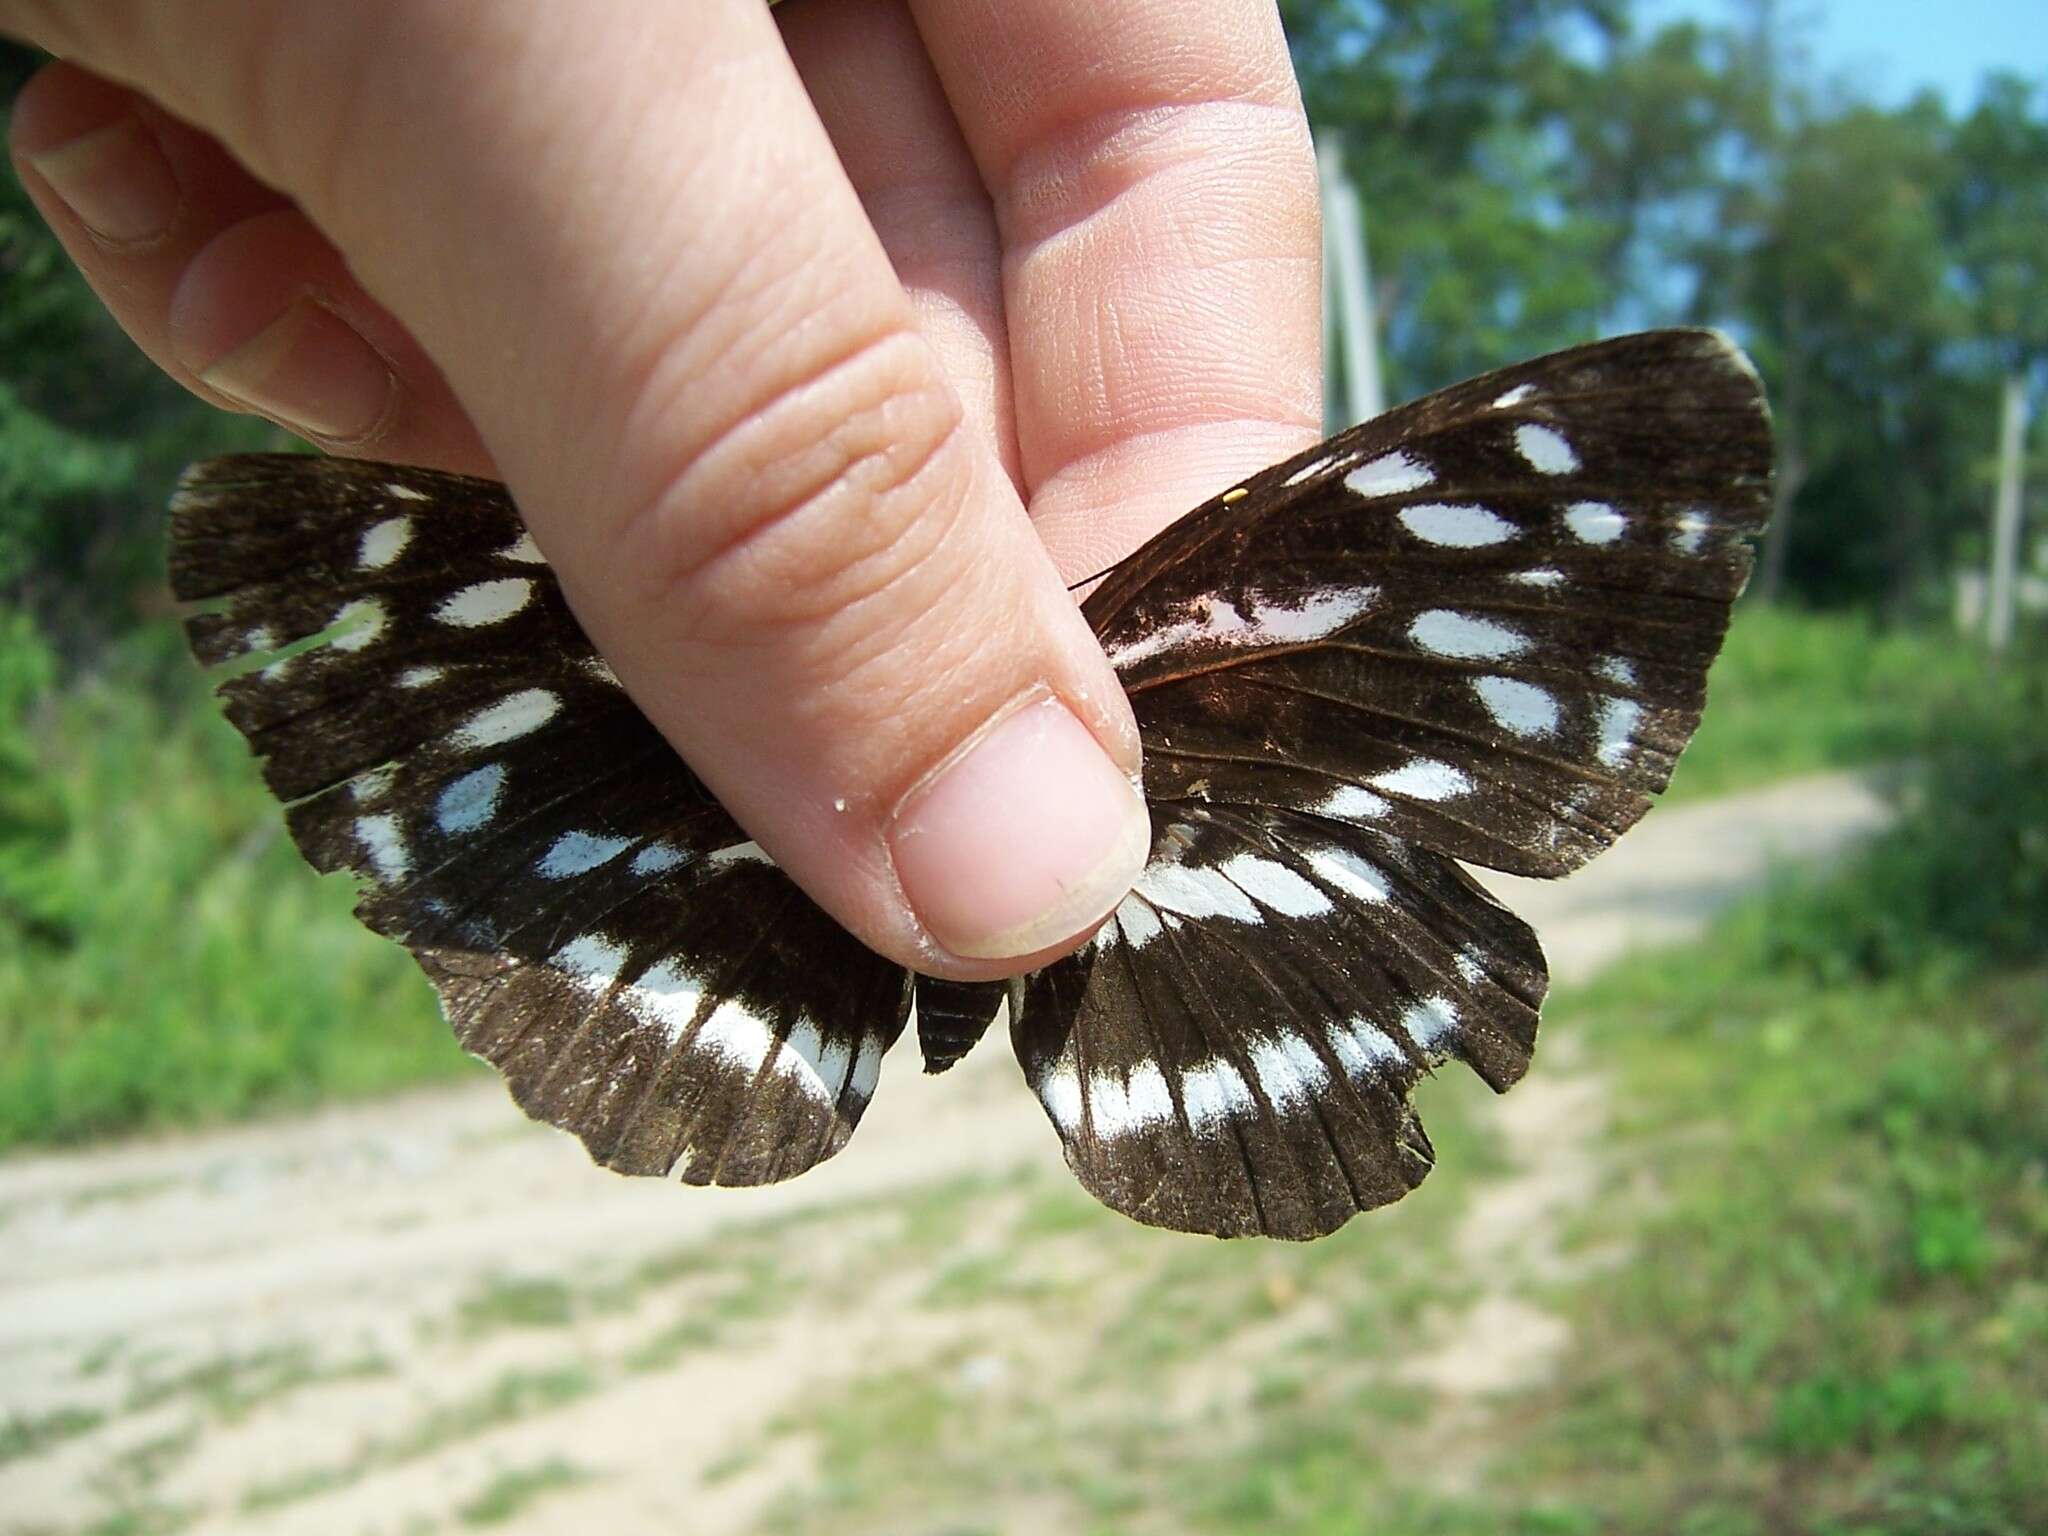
[[817, 363]]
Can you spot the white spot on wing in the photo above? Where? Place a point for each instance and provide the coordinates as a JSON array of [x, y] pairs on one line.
[[1542, 576], [1545, 449], [1274, 885], [470, 801], [803, 1058], [1138, 923], [665, 995], [1690, 537], [1445, 632], [867, 1069], [1214, 1092], [593, 962], [404, 492], [364, 621], [1516, 706], [1289, 1070], [738, 853], [383, 543], [578, 853], [1424, 779], [1117, 1107], [1364, 1048], [1310, 470], [1457, 525], [1216, 621], [1391, 474], [1195, 893], [487, 602], [1430, 1022], [1618, 718], [421, 677], [374, 785], [524, 550], [385, 843], [1352, 802], [516, 715], [1060, 1091], [835, 1065], [1514, 396], [1618, 670], [732, 1032], [1594, 522], [658, 859], [1351, 874]]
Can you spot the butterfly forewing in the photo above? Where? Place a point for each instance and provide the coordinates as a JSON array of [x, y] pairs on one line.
[[1476, 628], [596, 924], [1482, 622]]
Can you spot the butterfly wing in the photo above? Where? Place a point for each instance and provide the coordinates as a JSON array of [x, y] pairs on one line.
[[595, 923], [1475, 628]]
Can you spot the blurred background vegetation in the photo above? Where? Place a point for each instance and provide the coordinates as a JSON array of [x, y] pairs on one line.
[[1841, 1092]]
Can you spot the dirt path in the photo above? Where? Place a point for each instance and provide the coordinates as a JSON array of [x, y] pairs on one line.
[[425, 1313]]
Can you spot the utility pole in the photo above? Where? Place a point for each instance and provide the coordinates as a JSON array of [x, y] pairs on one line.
[[1347, 287], [2005, 513]]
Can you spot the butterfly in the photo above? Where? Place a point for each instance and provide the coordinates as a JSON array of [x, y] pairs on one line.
[[1476, 628]]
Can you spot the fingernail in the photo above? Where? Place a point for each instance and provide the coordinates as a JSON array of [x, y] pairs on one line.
[[116, 180], [1022, 840], [310, 370]]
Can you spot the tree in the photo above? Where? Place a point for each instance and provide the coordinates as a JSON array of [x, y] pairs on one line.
[[1998, 213]]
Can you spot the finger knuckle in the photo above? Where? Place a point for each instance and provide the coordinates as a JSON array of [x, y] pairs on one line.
[[817, 502]]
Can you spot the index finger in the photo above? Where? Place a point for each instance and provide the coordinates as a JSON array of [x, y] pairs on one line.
[[1155, 189]]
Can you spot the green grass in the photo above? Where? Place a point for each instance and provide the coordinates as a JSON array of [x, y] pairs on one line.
[[512, 1492], [517, 1301], [1814, 1296], [30, 1434], [515, 1395], [165, 956], [1797, 692], [1834, 1317], [233, 1387]]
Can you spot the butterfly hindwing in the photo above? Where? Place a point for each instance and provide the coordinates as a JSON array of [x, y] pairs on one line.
[[1233, 1052], [597, 926]]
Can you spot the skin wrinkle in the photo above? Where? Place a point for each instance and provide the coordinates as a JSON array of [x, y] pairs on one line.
[[673, 558], [1058, 185], [1073, 64], [1089, 426]]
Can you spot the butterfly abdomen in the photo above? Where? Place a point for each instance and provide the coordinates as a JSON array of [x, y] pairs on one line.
[[953, 1015]]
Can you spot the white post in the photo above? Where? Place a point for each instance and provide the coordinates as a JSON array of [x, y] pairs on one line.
[[2005, 514], [1348, 278]]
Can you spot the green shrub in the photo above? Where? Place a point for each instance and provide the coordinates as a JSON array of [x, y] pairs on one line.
[[1964, 875], [1797, 692], [165, 956]]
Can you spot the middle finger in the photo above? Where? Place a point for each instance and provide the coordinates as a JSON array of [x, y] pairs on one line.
[[876, 92]]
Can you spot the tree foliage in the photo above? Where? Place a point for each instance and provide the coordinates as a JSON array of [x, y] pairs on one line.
[[1535, 172], [1538, 171]]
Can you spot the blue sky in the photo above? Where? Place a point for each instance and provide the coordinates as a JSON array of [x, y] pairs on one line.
[[1892, 48]]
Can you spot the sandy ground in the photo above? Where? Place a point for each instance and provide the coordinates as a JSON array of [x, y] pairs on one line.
[[288, 1327]]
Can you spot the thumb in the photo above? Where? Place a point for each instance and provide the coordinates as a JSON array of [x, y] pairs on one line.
[[624, 239]]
